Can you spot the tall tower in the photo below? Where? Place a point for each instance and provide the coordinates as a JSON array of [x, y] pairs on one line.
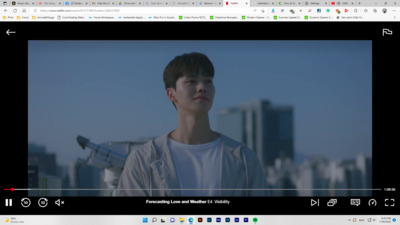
[[264, 128]]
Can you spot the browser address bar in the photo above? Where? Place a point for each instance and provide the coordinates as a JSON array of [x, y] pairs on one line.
[[78, 10]]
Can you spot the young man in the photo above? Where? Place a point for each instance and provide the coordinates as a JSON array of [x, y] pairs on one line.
[[192, 160]]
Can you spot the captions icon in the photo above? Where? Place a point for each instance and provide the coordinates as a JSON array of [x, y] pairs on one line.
[[355, 202]]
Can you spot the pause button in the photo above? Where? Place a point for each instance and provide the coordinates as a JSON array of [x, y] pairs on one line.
[[8, 202]]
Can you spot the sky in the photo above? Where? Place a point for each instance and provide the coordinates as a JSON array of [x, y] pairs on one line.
[[114, 91]]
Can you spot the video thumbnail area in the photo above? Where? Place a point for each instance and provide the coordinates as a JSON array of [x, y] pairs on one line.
[[302, 109]]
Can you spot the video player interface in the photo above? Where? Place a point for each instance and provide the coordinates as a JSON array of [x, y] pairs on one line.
[[200, 122]]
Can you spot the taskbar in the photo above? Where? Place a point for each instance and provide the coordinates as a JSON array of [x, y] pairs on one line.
[[180, 219]]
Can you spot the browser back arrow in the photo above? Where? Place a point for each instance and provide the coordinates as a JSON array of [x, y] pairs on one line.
[[8, 32]]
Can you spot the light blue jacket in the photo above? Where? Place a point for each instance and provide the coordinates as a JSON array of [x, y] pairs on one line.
[[149, 171]]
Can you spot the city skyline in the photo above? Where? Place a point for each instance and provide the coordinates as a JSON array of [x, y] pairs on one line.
[[113, 90], [316, 176]]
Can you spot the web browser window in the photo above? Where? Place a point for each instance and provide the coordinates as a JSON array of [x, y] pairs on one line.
[[199, 112]]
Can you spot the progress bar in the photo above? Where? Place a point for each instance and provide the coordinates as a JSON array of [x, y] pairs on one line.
[[177, 189]]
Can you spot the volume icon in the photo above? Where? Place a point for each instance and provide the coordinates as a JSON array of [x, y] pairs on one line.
[[8, 202]]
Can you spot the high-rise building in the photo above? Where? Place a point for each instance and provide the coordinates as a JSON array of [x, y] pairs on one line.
[[45, 162], [364, 165], [85, 180], [265, 128], [43, 174]]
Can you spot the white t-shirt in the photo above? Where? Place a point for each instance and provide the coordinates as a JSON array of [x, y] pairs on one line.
[[198, 167]]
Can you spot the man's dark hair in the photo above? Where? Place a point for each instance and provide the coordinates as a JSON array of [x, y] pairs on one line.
[[187, 64]]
